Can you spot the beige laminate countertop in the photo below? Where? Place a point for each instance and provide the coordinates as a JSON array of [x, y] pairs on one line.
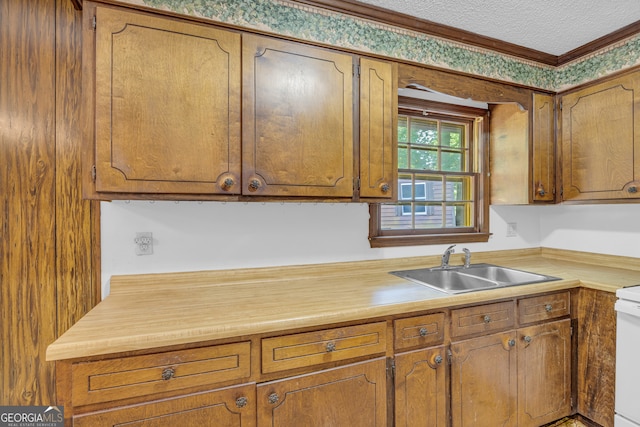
[[159, 310]]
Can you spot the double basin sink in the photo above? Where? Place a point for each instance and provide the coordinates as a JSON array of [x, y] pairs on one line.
[[475, 277]]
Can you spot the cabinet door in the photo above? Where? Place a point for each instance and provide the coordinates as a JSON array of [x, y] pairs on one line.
[[600, 142], [484, 381], [420, 388], [167, 105], [229, 407], [543, 161], [544, 373], [297, 119], [350, 396], [378, 128]]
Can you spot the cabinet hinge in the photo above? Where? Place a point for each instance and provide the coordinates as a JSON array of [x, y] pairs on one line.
[[560, 105], [356, 70], [392, 368], [93, 173], [449, 356], [356, 184], [94, 23], [571, 330]]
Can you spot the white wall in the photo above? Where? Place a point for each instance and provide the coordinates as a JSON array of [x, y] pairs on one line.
[[191, 236]]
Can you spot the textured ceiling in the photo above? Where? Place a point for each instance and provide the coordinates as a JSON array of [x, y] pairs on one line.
[[551, 26]]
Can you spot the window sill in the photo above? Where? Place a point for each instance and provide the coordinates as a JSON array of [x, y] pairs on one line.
[[423, 240]]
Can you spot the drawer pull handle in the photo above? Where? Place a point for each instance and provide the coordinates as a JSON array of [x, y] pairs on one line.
[[273, 398], [331, 346], [241, 402], [168, 373], [487, 318], [527, 339], [548, 307], [438, 359], [423, 332]]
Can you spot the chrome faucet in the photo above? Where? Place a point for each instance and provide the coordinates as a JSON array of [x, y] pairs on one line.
[[467, 257], [446, 255]]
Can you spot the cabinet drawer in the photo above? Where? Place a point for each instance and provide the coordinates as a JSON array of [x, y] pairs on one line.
[[535, 309], [329, 345], [109, 380], [482, 318], [419, 331]]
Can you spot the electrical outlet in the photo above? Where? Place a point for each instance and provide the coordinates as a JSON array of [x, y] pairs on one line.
[[144, 243], [512, 229]]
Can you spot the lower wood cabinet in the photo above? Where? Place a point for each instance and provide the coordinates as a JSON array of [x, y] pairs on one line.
[[349, 396], [518, 377], [228, 407], [484, 381], [421, 388]]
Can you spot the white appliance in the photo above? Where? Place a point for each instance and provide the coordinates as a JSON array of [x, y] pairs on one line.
[[628, 358]]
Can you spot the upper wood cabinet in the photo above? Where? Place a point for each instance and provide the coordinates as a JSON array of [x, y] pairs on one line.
[[523, 152], [297, 119], [167, 105], [543, 141], [600, 140], [378, 128], [177, 109]]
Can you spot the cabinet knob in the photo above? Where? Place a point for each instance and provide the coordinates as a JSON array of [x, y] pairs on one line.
[[273, 398], [540, 190], [487, 318], [385, 188], [548, 308], [438, 360], [254, 184], [227, 183], [512, 343], [241, 402], [527, 339], [331, 346], [423, 332], [168, 373], [633, 189]]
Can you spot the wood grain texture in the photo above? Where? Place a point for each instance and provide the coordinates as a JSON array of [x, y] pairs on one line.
[[353, 395], [297, 123], [596, 355], [600, 122], [46, 247], [27, 184], [543, 143]]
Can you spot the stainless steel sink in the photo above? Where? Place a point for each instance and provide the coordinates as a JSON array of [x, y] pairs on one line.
[[476, 277]]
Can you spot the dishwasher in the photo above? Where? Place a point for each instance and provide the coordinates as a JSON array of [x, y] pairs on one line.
[[627, 403]]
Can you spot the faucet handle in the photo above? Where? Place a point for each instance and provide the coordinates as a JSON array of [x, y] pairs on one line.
[[467, 257]]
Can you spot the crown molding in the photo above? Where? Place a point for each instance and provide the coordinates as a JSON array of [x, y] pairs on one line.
[[374, 13]]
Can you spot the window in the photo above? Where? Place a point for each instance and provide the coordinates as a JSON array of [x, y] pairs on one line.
[[442, 191]]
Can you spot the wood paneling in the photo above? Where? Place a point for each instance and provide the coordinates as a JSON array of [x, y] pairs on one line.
[[27, 159], [45, 273], [596, 355]]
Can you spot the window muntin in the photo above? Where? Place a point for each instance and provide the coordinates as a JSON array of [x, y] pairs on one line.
[[440, 181]]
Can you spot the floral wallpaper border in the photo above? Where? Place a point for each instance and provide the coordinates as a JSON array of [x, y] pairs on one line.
[[317, 25]]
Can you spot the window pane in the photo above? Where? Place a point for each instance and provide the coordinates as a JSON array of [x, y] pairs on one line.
[[396, 216], [452, 162], [405, 191], [452, 135], [432, 185], [402, 129], [403, 158], [424, 159], [459, 188], [431, 218], [460, 215], [424, 132]]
